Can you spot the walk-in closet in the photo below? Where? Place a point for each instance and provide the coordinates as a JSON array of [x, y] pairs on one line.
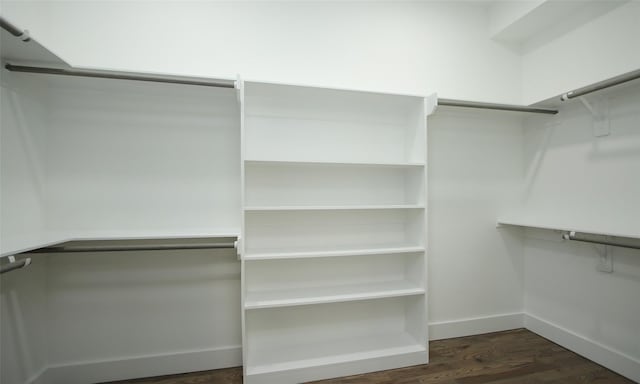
[[347, 191]]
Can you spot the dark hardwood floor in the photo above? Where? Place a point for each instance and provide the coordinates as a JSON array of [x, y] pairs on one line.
[[509, 357]]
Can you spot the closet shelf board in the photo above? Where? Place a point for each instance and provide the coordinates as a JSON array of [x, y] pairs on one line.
[[153, 235], [330, 207], [333, 163], [322, 295], [278, 358], [564, 227], [271, 254], [54, 239]]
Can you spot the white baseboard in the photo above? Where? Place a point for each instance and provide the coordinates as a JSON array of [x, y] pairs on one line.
[[592, 350], [193, 361], [475, 326], [141, 366]]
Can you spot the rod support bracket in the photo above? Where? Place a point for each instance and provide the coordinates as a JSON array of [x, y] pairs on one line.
[[238, 246], [605, 262], [599, 109], [25, 36], [431, 104], [605, 253]]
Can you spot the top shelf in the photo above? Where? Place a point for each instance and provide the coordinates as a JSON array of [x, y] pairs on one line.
[[315, 125], [567, 228]]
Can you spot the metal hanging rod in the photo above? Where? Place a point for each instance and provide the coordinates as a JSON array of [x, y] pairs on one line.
[[15, 265], [15, 31], [118, 76], [498, 107], [116, 248], [629, 76], [571, 235], [62, 248]]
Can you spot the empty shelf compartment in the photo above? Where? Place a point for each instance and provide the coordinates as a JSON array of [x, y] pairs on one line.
[[318, 185], [284, 339], [279, 283], [282, 232]]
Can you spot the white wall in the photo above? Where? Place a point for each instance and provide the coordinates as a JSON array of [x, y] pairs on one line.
[[419, 47], [597, 50], [121, 315], [411, 47], [475, 172], [22, 187], [129, 158], [23, 324], [576, 180], [22, 143]]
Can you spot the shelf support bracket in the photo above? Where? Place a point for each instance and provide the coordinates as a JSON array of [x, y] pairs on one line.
[[599, 109], [605, 253], [605, 262], [431, 103]]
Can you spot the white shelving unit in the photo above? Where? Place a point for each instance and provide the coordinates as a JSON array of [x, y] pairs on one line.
[[334, 232]]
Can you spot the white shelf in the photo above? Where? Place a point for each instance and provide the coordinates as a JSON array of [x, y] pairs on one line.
[[23, 247], [323, 295], [306, 253], [150, 235], [332, 163], [564, 227], [330, 207], [63, 237], [294, 355]]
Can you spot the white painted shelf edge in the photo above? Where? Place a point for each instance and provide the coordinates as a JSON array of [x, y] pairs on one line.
[[329, 207], [103, 235], [323, 295], [564, 227], [332, 253], [332, 163], [331, 352]]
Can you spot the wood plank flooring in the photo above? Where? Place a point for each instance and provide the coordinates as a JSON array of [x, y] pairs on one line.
[[511, 357]]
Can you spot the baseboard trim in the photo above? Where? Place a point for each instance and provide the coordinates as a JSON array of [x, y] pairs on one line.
[[614, 360], [231, 356], [142, 366], [475, 326]]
